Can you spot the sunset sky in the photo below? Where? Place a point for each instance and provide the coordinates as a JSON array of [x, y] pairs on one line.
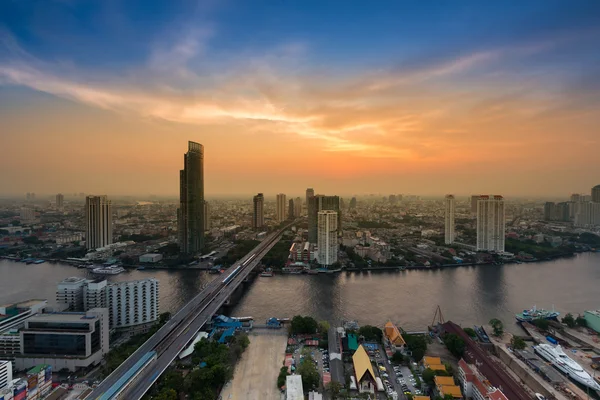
[[348, 97]]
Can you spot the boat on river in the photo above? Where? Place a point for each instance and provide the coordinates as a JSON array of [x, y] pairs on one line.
[[536, 313]]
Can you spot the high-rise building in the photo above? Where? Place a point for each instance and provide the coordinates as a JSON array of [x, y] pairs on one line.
[[291, 209], [310, 192], [392, 199], [596, 194], [319, 203], [190, 215], [27, 215], [98, 218], [133, 303], [588, 214], [449, 210], [327, 221], [575, 197], [298, 207], [490, 223], [206, 216], [6, 375], [558, 211], [549, 211], [59, 200], [281, 207], [353, 202], [258, 216]]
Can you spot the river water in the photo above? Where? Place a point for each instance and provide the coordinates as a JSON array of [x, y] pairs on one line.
[[467, 295]]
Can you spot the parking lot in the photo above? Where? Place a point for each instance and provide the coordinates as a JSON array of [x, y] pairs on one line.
[[397, 379]]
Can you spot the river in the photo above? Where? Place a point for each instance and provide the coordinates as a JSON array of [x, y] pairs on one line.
[[467, 295]]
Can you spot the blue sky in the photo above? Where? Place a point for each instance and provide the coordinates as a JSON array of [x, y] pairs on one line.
[[404, 84]]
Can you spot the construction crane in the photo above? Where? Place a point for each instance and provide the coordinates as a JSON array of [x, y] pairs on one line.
[[439, 315]]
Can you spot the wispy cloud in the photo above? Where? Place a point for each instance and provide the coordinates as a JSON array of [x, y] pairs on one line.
[[398, 113]]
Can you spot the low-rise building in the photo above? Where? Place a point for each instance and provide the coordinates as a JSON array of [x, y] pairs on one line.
[[363, 370], [14, 315], [433, 363], [394, 337], [69, 340], [475, 385], [444, 385], [151, 258]]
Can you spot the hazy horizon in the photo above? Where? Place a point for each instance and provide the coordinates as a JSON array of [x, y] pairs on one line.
[[394, 97]]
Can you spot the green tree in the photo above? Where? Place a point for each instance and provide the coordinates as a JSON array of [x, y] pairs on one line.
[[166, 394], [470, 332], [397, 358], [568, 320], [455, 344], [417, 344], [334, 389], [309, 373], [428, 376], [581, 321], [303, 325], [164, 317], [323, 327], [542, 323], [283, 372], [517, 343], [497, 326], [371, 333]]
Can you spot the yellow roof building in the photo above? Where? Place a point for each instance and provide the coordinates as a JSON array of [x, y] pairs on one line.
[[443, 380], [421, 398], [451, 390], [362, 365], [431, 360], [393, 334]]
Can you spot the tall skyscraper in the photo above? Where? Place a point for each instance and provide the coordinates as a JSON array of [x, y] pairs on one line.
[[575, 197], [281, 207], [206, 216], [319, 203], [327, 221], [291, 209], [596, 194], [298, 207], [190, 215], [588, 214], [449, 210], [98, 218], [353, 202], [59, 200], [310, 192], [490, 223], [258, 217]]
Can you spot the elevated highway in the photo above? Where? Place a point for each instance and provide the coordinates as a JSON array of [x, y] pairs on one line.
[[172, 337]]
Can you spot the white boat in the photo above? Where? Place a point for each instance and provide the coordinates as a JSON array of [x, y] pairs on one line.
[[108, 270], [557, 357]]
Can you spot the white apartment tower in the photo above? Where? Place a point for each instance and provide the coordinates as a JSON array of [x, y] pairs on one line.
[[98, 218], [282, 207], [5, 374], [327, 225], [133, 303], [490, 223], [449, 209], [69, 294]]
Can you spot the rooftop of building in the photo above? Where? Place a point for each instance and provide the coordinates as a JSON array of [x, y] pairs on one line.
[[38, 368], [444, 380], [594, 312], [293, 387], [452, 390], [72, 279], [393, 334], [62, 316], [431, 360], [362, 364]]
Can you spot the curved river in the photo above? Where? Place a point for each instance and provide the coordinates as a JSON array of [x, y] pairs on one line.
[[467, 295]]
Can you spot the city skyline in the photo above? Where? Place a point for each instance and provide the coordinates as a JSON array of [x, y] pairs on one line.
[[414, 99]]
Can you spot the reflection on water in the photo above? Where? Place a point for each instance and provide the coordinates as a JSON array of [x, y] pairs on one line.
[[467, 295]]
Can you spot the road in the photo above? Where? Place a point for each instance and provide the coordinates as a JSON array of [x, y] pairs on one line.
[[172, 337]]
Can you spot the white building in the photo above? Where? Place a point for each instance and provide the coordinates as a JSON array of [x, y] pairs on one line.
[[6, 376], [14, 315], [281, 207], [293, 388], [133, 304], [587, 214], [449, 210], [490, 223], [70, 340], [327, 225], [98, 218], [69, 294]]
